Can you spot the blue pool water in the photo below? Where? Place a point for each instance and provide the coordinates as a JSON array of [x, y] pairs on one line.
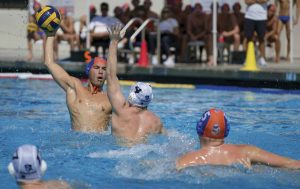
[[34, 112]]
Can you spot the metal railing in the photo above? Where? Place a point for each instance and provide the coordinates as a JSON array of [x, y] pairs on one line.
[[142, 29]]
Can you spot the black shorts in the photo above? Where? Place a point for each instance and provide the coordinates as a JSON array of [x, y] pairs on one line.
[[258, 26]]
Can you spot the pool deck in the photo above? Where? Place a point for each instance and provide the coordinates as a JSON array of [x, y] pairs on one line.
[[284, 75]]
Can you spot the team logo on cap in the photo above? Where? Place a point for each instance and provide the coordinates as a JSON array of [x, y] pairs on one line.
[[215, 130]]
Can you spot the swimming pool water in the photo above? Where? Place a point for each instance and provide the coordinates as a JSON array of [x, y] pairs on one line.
[[34, 111]]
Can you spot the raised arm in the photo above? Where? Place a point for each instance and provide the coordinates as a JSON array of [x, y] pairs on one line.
[[58, 73], [114, 92], [258, 155]]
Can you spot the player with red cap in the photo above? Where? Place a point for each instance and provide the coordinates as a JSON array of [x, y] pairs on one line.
[[212, 128]]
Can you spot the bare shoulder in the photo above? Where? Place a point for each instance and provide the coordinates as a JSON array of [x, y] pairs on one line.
[[188, 159], [57, 184], [154, 118]]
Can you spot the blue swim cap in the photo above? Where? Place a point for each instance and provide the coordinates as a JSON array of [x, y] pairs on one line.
[[92, 62]]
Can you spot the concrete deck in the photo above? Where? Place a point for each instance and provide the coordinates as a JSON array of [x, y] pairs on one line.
[[284, 75]]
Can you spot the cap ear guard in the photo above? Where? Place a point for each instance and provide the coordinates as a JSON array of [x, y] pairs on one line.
[[201, 124], [12, 170], [227, 128]]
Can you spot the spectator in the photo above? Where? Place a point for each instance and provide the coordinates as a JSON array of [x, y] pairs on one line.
[[181, 17], [149, 12], [28, 168], [34, 33], [284, 22], [228, 27], [120, 15], [212, 129], [272, 30], [240, 18], [135, 4], [196, 27], [98, 28], [66, 32], [255, 21], [188, 9], [83, 26], [168, 27]]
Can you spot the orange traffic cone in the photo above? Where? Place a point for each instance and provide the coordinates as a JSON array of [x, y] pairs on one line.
[[143, 61], [250, 64]]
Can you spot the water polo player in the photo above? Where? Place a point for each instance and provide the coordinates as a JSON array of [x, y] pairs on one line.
[[27, 167], [89, 107], [130, 119], [212, 129]]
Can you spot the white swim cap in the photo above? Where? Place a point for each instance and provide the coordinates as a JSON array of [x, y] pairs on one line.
[[27, 164], [140, 94]]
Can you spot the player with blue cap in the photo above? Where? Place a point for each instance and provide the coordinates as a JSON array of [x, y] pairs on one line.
[[88, 104], [213, 128]]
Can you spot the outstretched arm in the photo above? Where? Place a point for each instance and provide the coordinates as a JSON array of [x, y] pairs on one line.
[[59, 74], [258, 155], [114, 92]]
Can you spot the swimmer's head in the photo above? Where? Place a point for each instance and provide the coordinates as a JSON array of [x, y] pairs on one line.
[[140, 94], [96, 60], [26, 164], [213, 124]]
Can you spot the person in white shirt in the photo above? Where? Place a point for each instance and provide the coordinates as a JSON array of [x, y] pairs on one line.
[[255, 21]]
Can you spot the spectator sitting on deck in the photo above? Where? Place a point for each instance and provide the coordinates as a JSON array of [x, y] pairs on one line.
[[34, 32], [196, 27], [98, 28], [83, 26], [66, 32]]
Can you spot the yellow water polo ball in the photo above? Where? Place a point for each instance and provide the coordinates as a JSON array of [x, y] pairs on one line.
[[48, 18]]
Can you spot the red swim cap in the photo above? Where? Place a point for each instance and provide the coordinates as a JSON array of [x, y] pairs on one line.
[[213, 124]]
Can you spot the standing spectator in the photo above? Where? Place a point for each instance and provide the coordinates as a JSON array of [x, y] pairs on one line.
[[240, 18], [284, 22], [255, 21], [272, 30]]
